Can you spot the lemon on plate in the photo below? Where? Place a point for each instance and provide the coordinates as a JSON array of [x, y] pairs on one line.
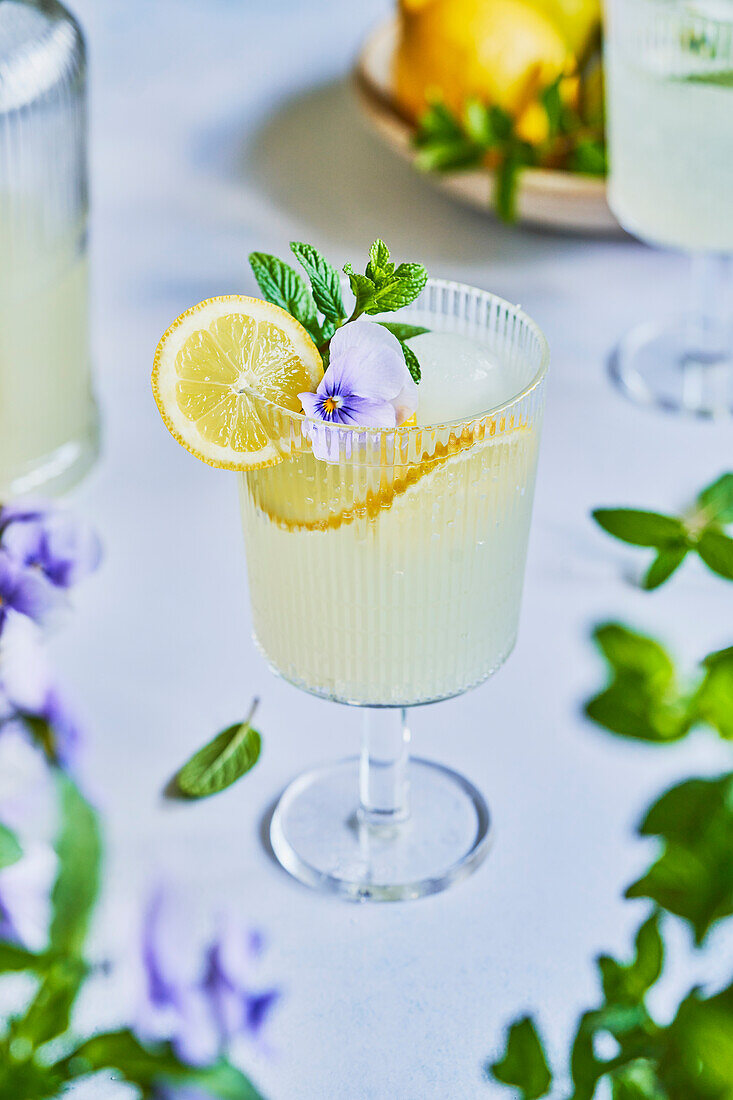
[[210, 363]]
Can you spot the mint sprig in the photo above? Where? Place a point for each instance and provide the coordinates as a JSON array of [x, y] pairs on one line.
[[487, 135], [700, 531], [383, 287], [646, 698]]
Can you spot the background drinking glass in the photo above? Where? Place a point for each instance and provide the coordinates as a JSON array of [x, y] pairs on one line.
[[670, 108], [390, 577], [48, 419]]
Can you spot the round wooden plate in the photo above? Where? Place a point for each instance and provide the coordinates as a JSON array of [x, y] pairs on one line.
[[547, 197]]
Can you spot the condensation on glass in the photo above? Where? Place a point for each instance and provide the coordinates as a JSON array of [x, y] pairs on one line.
[[48, 417]]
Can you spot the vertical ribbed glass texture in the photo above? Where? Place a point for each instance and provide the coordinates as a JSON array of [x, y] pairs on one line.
[[670, 117], [393, 576], [48, 422]]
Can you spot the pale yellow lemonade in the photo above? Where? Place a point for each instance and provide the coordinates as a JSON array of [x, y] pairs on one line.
[[393, 576], [47, 414]]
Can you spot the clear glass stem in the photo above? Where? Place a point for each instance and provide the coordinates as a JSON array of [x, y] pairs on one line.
[[383, 782], [709, 317]]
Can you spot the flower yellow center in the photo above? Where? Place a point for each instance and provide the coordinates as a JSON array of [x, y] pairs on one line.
[[331, 404]]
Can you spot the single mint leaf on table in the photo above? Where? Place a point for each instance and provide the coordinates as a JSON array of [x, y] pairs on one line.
[[524, 1065], [713, 701], [230, 755], [641, 528], [716, 501], [10, 849], [325, 282], [693, 877], [79, 851], [628, 984], [716, 550], [643, 699], [282, 286]]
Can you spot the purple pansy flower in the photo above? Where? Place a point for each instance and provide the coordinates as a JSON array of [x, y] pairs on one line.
[[367, 384], [62, 548], [200, 1004], [27, 690], [24, 590]]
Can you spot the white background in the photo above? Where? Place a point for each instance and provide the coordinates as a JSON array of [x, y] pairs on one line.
[[224, 126]]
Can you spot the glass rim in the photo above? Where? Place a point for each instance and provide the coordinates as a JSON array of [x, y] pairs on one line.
[[444, 425]]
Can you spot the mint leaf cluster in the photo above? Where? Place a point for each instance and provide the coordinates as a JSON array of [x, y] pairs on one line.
[[318, 304], [486, 134], [646, 698], [700, 531]]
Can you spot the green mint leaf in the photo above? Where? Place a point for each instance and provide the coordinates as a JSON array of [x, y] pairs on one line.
[[402, 330], [363, 290], [697, 1060], [552, 102], [79, 851], [717, 500], [639, 1081], [478, 125], [15, 959], [379, 266], [230, 755], [506, 192], [449, 155], [50, 1010], [10, 849], [438, 122], [716, 550], [282, 286], [713, 701], [413, 364], [693, 877], [641, 528], [524, 1065], [325, 282], [589, 158], [400, 290], [628, 984], [157, 1064], [664, 565], [642, 700], [502, 123]]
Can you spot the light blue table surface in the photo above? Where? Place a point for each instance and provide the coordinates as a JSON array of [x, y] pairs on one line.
[[220, 126]]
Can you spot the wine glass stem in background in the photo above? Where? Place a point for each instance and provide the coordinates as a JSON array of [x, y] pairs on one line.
[[383, 782]]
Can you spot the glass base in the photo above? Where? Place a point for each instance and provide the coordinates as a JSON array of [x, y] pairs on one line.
[[320, 837], [654, 365]]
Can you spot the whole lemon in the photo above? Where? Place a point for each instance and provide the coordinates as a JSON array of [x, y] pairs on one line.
[[499, 51]]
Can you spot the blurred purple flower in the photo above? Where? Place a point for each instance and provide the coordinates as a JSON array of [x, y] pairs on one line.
[[62, 548], [199, 1004], [24, 591], [28, 694], [367, 384]]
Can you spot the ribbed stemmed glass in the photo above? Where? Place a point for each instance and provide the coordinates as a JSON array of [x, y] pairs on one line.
[[390, 577], [670, 114]]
